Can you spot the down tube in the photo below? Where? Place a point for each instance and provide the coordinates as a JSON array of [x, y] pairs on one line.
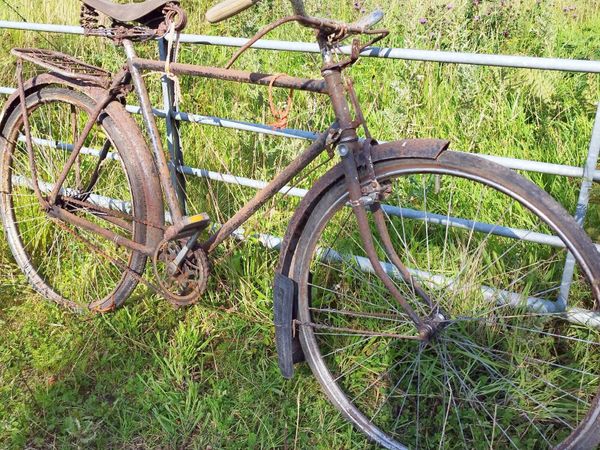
[[269, 191]]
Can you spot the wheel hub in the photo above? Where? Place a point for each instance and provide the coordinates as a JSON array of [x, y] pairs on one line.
[[435, 323]]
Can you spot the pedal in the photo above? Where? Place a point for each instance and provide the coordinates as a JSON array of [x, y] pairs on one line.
[[187, 226]]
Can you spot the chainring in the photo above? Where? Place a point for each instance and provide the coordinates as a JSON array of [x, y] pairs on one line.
[[185, 284]]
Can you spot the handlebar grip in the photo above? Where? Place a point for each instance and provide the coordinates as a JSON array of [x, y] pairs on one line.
[[369, 21], [227, 8]]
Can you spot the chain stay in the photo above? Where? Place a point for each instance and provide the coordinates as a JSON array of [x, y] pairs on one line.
[[112, 212], [114, 261]]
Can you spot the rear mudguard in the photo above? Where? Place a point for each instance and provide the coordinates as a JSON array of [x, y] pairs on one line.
[[120, 115], [48, 79], [285, 292]]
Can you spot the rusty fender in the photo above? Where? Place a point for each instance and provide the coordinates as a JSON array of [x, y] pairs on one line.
[[285, 299], [403, 149], [117, 112]]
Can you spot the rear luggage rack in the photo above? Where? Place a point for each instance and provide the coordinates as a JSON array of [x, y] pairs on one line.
[[64, 65]]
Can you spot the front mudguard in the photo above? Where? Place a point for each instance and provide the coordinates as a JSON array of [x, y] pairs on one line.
[[285, 292]]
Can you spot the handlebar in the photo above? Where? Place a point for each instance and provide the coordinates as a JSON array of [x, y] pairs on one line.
[[370, 20]]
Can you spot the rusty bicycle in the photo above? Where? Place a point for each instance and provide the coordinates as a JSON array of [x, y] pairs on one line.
[[423, 286]]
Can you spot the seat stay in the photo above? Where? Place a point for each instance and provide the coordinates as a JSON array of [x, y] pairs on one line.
[[131, 12]]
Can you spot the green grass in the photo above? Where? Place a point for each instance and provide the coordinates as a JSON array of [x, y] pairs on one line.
[[149, 376]]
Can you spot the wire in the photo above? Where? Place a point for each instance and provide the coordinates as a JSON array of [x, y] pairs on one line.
[[16, 11]]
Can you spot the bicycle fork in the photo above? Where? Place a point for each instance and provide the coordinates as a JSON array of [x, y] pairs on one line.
[[348, 148]]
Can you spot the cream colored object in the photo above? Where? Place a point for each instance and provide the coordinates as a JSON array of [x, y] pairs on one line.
[[228, 8]]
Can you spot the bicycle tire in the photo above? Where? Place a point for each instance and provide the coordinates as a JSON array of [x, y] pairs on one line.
[[75, 268], [335, 337]]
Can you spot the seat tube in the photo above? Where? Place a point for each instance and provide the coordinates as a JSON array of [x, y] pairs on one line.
[[159, 155]]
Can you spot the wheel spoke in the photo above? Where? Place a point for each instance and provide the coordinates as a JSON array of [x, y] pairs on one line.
[[64, 268], [493, 372]]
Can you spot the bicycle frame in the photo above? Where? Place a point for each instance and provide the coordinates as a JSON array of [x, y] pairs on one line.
[[343, 134], [363, 189], [137, 65]]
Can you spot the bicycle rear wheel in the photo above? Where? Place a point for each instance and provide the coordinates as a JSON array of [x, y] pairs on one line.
[[506, 369], [64, 263]]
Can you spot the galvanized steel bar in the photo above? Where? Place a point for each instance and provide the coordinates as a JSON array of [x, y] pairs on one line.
[[582, 205], [575, 315], [537, 304], [511, 163], [239, 181], [407, 213], [480, 227], [235, 124], [46, 27], [588, 173], [524, 62]]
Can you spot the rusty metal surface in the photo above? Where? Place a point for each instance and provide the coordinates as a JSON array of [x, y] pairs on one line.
[[280, 81], [293, 169], [403, 149], [64, 64], [155, 219], [160, 159], [136, 12], [155, 20], [184, 282], [350, 150], [28, 138], [109, 95], [411, 148], [68, 217], [329, 30]]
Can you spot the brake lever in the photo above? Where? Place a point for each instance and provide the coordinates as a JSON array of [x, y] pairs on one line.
[[356, 49]]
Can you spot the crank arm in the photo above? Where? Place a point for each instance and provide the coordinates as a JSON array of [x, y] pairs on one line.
[[189, 245]]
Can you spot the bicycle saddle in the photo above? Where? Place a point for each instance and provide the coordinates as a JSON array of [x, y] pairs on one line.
[[131, 12]]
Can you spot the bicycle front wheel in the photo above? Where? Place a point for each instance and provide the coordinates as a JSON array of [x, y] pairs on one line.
[[506, 367], [105, 186]]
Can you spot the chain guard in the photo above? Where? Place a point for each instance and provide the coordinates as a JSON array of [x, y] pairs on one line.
[[189, 281]]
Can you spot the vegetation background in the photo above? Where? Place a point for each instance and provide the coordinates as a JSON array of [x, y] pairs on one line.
[[150, 376]]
